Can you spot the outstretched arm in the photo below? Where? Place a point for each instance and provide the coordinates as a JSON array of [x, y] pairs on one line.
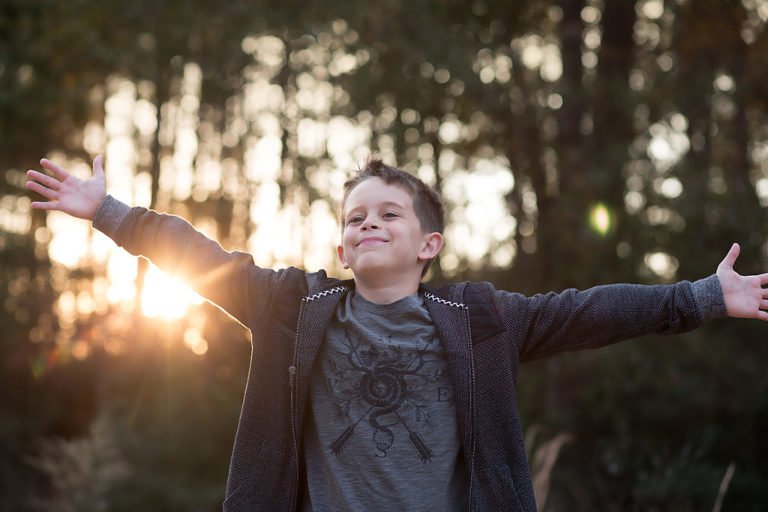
[[744, 296], [67, 193], [575, 319], [228, 279]]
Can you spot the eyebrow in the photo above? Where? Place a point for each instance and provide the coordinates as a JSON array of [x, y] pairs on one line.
[[383, 204]]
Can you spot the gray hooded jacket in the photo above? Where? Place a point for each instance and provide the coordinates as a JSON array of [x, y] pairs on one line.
[[287, 312]]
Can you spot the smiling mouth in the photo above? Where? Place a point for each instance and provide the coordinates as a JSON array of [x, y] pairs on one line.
[[371, 240]]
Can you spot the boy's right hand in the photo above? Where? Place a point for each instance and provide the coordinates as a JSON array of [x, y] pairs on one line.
[[67, 193]]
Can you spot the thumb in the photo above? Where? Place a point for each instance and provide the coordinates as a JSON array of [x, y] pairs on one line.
[[98, 166], [730, 258]]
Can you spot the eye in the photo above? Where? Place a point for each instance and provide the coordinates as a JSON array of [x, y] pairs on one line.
[[390, 215], [355, 220]]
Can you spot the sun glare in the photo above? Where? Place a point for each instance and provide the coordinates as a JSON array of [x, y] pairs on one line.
[[166, 297], [600, 219]]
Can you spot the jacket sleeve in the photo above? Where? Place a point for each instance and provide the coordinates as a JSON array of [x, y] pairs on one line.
[[228, 279], [547, 324]]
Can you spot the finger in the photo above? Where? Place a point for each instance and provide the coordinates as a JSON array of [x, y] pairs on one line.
[[55, 169], [46, 180], [762, 315], [764, 304], [43, 191], [39, 205], [98, 166], [763, 279], [730, 258]]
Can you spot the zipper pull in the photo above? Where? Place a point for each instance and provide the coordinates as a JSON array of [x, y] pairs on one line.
[[292, 373]]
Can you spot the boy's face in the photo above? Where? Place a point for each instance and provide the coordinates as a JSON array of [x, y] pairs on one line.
[[382, 231]]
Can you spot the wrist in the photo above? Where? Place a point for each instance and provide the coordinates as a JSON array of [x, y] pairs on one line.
[[94, 209], [709, 299], [110, 215]]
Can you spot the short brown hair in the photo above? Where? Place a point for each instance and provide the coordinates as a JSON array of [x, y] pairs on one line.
[[426, 201]]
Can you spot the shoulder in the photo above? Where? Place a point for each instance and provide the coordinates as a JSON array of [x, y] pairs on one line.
[[444, 292], [478, 298], [319, 281], [294, 286], [297, 283], [465, 293]]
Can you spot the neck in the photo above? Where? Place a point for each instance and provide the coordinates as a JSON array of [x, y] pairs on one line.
[[385, 293]]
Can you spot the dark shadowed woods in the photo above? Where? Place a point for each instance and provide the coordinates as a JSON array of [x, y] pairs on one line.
[[575, 143]]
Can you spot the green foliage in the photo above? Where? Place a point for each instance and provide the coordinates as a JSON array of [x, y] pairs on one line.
[[653, 424], [656, 423], [81, 471], [178, 413]]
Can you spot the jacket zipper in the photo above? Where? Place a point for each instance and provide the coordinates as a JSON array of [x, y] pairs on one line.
[[292, 378], [471, 414], [292, 382]]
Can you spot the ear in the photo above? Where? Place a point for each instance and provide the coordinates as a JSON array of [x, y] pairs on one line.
[[342, 259], [431, 245]]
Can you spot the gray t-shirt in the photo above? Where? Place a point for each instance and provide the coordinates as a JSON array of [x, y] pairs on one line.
[[382, 432]]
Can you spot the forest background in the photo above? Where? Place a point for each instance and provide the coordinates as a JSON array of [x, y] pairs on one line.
[[576, 142]]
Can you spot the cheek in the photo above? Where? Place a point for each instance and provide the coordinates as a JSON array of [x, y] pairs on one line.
[[347, 242]]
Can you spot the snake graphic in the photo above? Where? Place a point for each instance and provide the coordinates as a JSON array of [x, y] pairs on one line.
[[384, 389]]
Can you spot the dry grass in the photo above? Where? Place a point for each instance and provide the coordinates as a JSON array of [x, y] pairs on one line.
[[80, 471], [543, 458]]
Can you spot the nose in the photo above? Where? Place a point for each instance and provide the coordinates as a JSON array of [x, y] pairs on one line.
[[369, 223]]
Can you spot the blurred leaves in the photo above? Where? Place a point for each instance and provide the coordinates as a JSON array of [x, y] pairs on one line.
[[81, 471], [652, 112]]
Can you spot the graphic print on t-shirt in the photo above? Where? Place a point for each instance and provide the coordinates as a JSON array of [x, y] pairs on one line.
[[389, 387]]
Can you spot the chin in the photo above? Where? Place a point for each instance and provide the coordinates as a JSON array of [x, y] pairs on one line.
[[370, 268]]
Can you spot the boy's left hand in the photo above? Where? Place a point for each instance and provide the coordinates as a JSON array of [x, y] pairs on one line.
[[744, 296]]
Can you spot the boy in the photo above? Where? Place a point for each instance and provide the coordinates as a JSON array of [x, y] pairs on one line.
[[381, 393]]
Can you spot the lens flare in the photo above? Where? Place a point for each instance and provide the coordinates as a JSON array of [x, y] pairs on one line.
[[166, 297], [600, 219]]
